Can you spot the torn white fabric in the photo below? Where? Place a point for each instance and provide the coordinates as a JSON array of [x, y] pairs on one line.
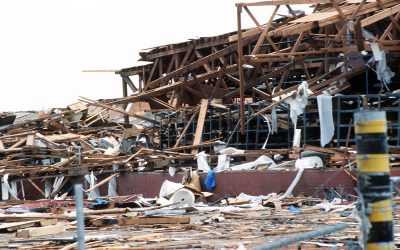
[[301, 164], [57, 182], [298, 104], [11, 190], [47, 188], [255, 199], [4, 190], [376, 51], [92, 180], [171, 171], [262, 160], [383, 71], [231, 151], [168, 188], [296, 137], [269, 130], [22, 189], [292, 186], [274, 121], [14, 190], [283, 164], [309, 162], [202, 162], [327, 127], [223, 163], [220, 146], [112, 187]]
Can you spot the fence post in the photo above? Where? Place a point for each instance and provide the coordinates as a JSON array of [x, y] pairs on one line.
[[374, 185]]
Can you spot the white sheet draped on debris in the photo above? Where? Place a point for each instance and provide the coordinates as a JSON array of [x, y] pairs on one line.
[[327, 127], [266, 119], [112, 187], [383, 71], [202, 162], [255, 199], [292, 186], [223, 163], [168, 188], [7, 190], [92, 180], [231, 151], [262, 160], [297, 106], [301, 165], [274, 121], [172, 171], [296, 137], [309, 162]]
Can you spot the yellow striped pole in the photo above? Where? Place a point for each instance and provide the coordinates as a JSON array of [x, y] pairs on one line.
[[374, 185]]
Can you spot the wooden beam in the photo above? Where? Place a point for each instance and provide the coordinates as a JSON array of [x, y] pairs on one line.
[[197, 146], [337, 8], [261, 39], [200, 124], [153, 220], [186, 56], [129, 82], [41, 231], [220, 78], [195, 92], [275, 72], [162, 103], [178, 142], [283, 2], [196, 64], [153, 69], [102, 182], [389, 28], [167, 88], [205, 65], [260, 92], [37, 188], [252, 17], [172, 63], [380, 15], [103, 105]]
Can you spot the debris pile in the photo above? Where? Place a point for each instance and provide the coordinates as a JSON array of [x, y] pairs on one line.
[[278, 97], [132, 221]]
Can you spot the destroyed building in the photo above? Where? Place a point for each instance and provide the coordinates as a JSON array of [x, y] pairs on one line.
[[257, 114]]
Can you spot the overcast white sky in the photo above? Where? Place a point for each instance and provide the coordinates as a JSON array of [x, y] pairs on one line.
[[45, 44]]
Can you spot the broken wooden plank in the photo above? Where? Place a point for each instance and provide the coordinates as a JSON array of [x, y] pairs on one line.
[[153, 220], [41, 231], [200, 124]]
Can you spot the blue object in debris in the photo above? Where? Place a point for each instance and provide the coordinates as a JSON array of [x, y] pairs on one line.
[[99, 204], [210, 181], [294, 209]]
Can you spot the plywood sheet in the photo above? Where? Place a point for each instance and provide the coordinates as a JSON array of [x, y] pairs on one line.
[[315, 17], [359, 1]]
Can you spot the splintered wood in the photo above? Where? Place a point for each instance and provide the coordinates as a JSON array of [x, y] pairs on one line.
[[211, 228], [242, 99]]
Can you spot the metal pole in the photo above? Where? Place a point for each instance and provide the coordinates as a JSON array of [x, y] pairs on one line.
[[374, 185], [125, 94], [240, 68], [80, 227], [301, 237]]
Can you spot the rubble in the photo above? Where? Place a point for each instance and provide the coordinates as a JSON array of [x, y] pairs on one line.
[[275, 98]]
